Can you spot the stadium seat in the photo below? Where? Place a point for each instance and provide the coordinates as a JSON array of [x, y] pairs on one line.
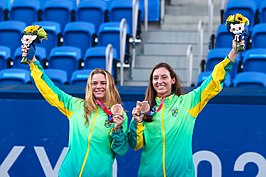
[[4, 56], [120, 9], [91, 8], [79, 34], [258, 36], [245, 7], [15, 76], [40, 55], [223, 37], [65, 58], [255, 60], [109, 33], [96, 58], [25, 11], [215, 56], [54, 34], [58, 76], [80, 77], [11, 33], [262, 12], [203, 76], [3, 10], [250, 80], [60, 11], [154, 10]]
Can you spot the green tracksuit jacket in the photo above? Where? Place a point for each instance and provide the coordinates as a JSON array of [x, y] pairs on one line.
[[92, 148], [167, 140]]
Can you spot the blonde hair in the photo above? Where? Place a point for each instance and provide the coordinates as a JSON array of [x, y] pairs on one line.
[[112, 96]]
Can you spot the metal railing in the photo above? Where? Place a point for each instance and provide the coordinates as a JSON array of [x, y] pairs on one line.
[[109, 56], [189, 65], [123, 34], [135, 12], [200, 44], [210, 12]]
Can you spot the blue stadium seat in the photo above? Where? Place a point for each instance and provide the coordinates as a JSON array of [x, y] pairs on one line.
[[65, 58], [258, 36], [154, 8], [95, 57], [79, 34], [26, 11], [91, 8], [120, 9], [223, 37], [58, 76], [54, 34], [262, 12], [109, 33], [4, 56], [40, 55], [80, 77], [255, 60], [11, 33], [3, 10], [250, 80], [15, 76], [60, 11], [215, 56], [42, 2], [245, 7], [202, 76]]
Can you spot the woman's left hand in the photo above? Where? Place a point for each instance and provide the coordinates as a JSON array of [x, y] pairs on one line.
[[118, 120]]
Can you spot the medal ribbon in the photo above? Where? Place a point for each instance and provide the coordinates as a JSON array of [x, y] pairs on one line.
[[108, 112], [153, 110]]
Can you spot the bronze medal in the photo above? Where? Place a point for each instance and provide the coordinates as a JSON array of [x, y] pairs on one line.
[[144, 107], [117, 109]]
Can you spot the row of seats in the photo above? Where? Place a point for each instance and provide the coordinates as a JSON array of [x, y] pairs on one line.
[[64, 11], [81, 35], [249, 69], [17, 76], [254, 10], [66, 58]]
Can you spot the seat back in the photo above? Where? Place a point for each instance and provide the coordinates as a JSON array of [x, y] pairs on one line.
[[14, 76], [96, 58], [60, 11], [215, 56], [11, 33], [65, 58], [25, 11], [4, 55], [79, 34], [223, 37], [109, 33], [80, 77], [262, 12], [255, 60], [54, 33], [258, 36], [120, 9], [58, 76], [250, 80], [91, 8]]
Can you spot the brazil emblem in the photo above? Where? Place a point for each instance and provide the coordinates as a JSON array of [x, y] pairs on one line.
[[174, 112]]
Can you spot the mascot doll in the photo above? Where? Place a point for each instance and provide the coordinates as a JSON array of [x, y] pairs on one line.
[[237, 26]]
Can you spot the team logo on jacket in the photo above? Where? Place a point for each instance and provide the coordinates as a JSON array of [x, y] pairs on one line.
[[174, 112]]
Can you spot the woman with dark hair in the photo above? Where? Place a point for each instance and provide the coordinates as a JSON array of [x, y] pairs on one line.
[[165, 132], [96, 134]]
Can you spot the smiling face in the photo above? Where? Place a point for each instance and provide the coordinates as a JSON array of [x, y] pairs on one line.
[[98, 85], [162, 82]]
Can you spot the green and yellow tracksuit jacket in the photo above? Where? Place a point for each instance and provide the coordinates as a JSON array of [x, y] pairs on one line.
[[167, 140], [93, 147]]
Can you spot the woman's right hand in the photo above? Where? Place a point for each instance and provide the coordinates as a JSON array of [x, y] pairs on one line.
[[136, 113]]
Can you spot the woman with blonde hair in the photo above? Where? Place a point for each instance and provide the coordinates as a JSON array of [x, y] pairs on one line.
[[96, 134]]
